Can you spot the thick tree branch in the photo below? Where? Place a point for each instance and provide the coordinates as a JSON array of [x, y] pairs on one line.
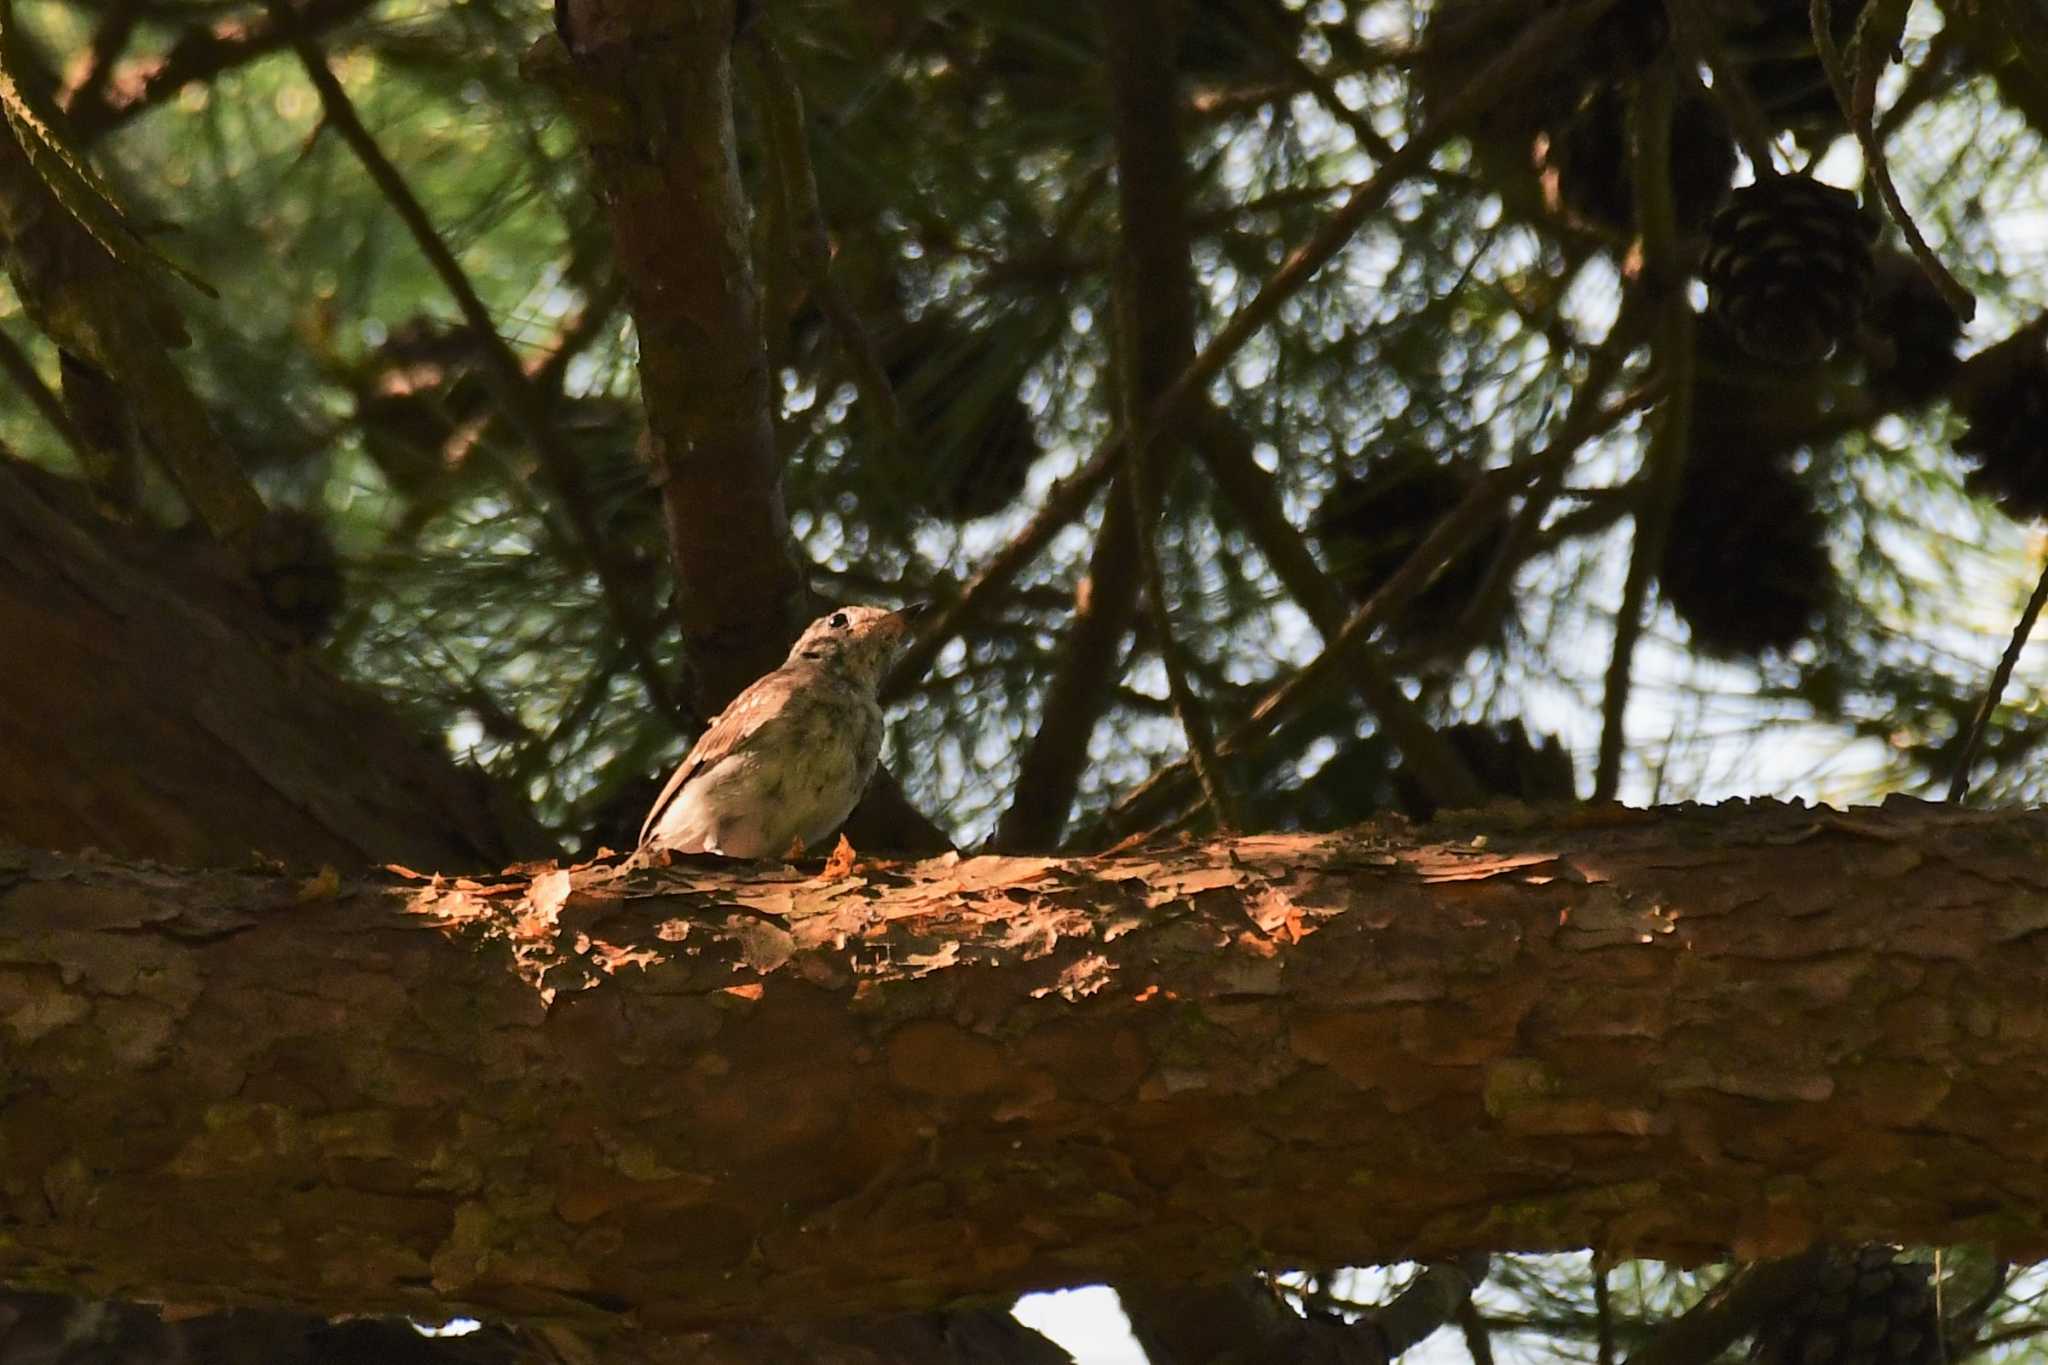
[[650, 88], [1246, 1320], [1731, 1312], [664, 1100], [143, 712]]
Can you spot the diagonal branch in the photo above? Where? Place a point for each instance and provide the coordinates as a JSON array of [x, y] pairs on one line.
[[1959, 782], [1155, 337], [1528, 55], [797, 196], [509, 380], [1247, 1319], [18, 367], [1064, 505], [1537, 45], [1187, 706], [1105, 605], [197, 56], [1461, 527], [1735, 1308], [1251, 491], [1857, 99], [1650, 125]]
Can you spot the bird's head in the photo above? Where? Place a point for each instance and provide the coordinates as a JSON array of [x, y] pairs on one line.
[[860, 642]]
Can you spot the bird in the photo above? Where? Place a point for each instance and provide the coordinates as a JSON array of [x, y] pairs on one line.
[[783, 765]]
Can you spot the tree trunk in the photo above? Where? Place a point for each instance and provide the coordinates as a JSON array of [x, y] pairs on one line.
[[721, 1091]]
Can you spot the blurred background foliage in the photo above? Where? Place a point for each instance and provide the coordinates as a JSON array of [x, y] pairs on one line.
[[1833, 589]]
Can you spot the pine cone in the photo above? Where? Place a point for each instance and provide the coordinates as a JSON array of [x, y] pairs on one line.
[[962, 419], [1788, 268], [1506, 762], [1369, 526], [1223, 40], [292, 562], [1746, 563], [2007, 438], [1908, 314], [1867, 1307]]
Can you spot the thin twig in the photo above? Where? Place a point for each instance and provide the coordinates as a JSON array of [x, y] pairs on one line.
[[1603, 1310], [1857, 101], [1461, 527], [579, 332], [1325, 91], [1698, 40], [1924, 82], [1510, 70], [502, 367], [1069, 498], [18, 367], [1959, 783], [1657, 215], [1226, 451], [1478, 1341], [1526, 533], [783, 109], [1188, 708], [1277, 201]]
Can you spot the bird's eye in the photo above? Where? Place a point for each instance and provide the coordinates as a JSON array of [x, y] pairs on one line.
[[838, 621]]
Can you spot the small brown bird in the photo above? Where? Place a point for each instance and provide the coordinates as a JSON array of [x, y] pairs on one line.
[[784, 764]]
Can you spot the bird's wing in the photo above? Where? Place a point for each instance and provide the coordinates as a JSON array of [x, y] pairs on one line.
[[735, 725]]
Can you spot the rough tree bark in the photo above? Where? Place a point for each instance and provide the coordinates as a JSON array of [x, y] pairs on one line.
[[667, 1098], [650, 89], [145, 710]]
